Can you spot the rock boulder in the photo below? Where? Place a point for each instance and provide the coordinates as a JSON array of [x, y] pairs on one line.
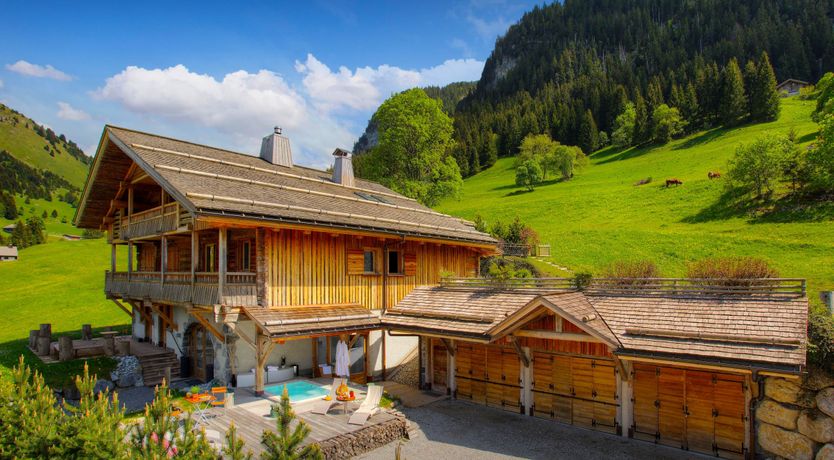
[[816, 425], [826, 453], [782, 390], [825, 401], [785, 443], [776, 414]]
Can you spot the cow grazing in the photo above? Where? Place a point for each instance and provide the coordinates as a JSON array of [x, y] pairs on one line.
[[673, 182], [714, 175]]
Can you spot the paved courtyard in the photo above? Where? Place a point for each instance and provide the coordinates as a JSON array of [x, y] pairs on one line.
[[459, 430]]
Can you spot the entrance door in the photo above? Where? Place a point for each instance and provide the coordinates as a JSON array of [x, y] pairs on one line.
[[199, 350]]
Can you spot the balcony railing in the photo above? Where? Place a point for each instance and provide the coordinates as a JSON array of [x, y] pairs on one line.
[[239, 288], [153, 221], [782, 287]]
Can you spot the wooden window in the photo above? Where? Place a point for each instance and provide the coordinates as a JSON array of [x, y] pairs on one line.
[[363, 261], [246, 256], [209, 257], [395, 265], [369, 261]]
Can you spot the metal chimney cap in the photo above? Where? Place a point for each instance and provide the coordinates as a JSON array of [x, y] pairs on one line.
[[341, 153], [277, 130]]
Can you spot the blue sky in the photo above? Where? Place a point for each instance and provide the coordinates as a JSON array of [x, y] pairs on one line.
[[223, 73]]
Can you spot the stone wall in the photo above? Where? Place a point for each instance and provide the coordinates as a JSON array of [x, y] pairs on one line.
[[795, 418], [366, 439]]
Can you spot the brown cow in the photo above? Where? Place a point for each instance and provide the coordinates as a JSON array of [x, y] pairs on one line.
[[714, 175], [673, 182]]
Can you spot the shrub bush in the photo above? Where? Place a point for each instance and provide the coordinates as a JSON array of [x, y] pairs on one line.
[[821, 339], [631, 272], [731, 271]]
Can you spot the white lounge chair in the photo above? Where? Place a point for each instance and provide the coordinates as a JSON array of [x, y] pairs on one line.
[[368, 407], [323, 406]]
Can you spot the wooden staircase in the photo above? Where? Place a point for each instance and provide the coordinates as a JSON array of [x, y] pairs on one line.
[[154, 360]]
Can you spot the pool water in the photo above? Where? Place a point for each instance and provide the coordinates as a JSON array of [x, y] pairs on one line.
[[299, 390]]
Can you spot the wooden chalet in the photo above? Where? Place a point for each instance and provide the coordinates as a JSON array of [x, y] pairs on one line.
[[791, 87], [676, 362], [240, 263]]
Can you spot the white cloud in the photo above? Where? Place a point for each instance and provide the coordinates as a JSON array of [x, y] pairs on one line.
[[366, 87], [34, 70], [68, 112], [241, 105]]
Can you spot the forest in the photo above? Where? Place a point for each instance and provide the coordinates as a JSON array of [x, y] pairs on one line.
[[570, 69]]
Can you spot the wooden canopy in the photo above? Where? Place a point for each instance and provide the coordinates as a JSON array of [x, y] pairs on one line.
[[306, 321]]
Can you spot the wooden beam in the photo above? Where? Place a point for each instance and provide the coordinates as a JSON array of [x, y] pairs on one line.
[[117, 204], [551, 335], [521, 355], [169, 323], [353, 341], [124, 309], [449, 346], [234, 327], [623, 369], [208, 326], [141, 311]]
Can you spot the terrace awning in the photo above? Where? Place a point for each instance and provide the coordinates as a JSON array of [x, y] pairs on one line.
[[312, 320]]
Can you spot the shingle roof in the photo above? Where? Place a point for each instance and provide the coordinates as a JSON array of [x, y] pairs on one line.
[[467, 312], [769, 331], [293, 321], [714, 327], [215, 181]]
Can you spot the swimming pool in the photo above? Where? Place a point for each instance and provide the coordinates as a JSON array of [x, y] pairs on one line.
[[299, 390]]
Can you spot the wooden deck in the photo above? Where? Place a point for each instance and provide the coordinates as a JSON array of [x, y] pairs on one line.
[[250, 415]]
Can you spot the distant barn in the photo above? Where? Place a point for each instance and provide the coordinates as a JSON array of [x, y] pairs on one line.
[[9, 228], [791, 87]]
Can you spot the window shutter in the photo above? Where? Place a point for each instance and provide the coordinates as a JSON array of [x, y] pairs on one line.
[[410, 264], [355, 261]]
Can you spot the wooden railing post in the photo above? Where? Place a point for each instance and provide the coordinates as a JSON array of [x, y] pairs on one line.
[[112, 258], [195, 257], [163, 260], [129, 260], [221, 275]]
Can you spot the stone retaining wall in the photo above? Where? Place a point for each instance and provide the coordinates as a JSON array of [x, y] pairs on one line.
[[795, 419], [364, 440]]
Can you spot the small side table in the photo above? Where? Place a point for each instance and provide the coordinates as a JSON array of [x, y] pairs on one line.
[[345, 402]]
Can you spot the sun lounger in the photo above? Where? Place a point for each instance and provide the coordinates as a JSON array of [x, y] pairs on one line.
[[368, 407], [323, 406]]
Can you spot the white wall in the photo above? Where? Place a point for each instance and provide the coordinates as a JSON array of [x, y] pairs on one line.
[[296, 351], [396, 348]]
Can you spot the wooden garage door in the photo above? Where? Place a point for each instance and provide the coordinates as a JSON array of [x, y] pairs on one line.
[[488, 374], [696, 410], [575, 390]]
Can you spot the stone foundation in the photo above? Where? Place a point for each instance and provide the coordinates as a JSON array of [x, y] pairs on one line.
[[364, 440], [795, 419]]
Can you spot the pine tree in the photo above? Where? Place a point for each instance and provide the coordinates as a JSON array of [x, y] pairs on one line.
[[588, 133], [764, 99], [641, 120], [285, 445], [29, 415], [733, 101], [21, 237], [751, 76], [233, 450]]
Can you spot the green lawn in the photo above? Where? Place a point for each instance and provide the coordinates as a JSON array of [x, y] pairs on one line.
[[600, 215], [61, 282]]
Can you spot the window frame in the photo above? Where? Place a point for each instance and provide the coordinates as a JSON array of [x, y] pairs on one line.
[[400, 262], [375, 254]]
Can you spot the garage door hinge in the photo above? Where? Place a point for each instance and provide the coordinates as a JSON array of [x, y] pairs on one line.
[[657, 403], [714, 412]]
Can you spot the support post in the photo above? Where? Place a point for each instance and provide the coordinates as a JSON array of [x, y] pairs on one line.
[[65, 351], [626, 406], [86, 332], [112, 258], [259, 370], [451, 384], [163, 260], [221, 275], [526, 383], [129, 259], [195, 258]]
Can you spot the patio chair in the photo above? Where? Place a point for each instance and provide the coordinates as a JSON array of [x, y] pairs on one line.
[[323, 406], [221, 400], [368, 407]]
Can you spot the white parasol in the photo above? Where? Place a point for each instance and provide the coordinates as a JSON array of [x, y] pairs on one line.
[[342, 359]]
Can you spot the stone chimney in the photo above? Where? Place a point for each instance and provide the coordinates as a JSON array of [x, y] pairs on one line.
[[343, 168], [275, 149]]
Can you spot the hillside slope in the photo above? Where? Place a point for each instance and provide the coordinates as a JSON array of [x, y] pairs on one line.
[[19, 137], [600, 215]]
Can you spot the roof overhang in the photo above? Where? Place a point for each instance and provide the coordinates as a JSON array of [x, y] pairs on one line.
[[306, 321]]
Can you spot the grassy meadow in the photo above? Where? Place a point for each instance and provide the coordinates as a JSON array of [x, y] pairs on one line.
[[60, 282], [601, 216], [54, 225]]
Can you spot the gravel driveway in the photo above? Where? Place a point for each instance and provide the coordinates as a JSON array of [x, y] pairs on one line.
[[460, 430]]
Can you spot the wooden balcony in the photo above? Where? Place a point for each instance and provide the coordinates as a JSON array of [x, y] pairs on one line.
[[180, 287], [154, 221]]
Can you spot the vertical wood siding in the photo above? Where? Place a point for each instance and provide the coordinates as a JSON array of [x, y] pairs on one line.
[[310, 268]]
